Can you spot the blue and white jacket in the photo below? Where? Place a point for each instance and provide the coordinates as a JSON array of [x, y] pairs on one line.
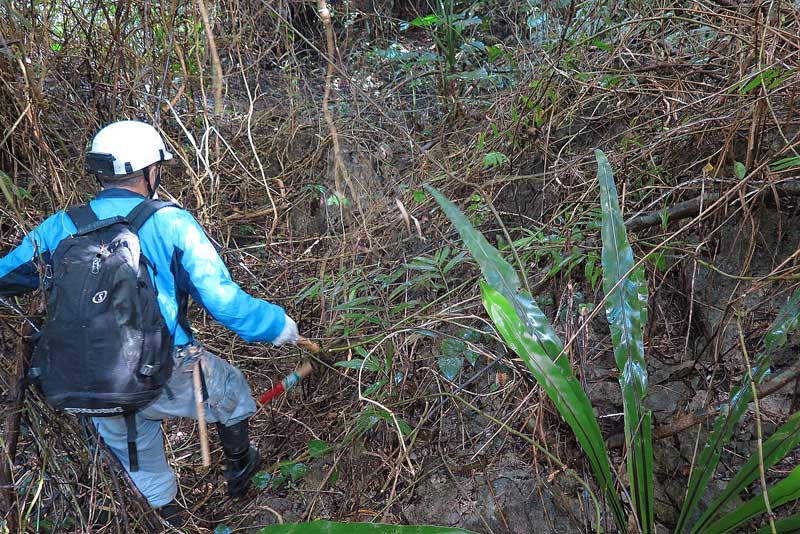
[[186, 263]]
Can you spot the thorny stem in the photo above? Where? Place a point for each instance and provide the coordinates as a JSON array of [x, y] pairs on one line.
[[759, 440]]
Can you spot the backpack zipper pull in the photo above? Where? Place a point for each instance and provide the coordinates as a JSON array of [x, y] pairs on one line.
[[96, 265]]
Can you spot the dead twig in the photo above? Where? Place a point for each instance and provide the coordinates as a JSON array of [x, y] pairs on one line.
[[16, 398]]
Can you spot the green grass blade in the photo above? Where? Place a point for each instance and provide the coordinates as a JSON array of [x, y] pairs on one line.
[[502, 276], [731, 413], [785, 323], [329, 527], [562, 388], [786, 438], [790, 525], [784, 491], [626, 310]]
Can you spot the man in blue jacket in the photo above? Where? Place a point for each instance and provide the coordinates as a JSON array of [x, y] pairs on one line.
[[126, 157]]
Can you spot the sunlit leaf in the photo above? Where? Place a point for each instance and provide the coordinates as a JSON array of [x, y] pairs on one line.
[[494, 159], [563, 389], [766, 77], [450, 366], [493, 52], [420, 22], [502, 277], [739, 170], [338, 199], [785, 164], [626, 310]]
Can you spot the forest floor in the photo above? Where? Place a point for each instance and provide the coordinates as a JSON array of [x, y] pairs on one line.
[[427, 417]]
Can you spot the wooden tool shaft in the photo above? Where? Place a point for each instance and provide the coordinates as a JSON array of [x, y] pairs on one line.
[[289, 382], [310, 346], [305, 370], [201, 414]]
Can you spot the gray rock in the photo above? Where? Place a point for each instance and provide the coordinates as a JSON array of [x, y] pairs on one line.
[[508, 497], [667, 399], [605, 394]]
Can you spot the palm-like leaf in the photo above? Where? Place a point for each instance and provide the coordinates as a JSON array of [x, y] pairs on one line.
[[732, 411], [502, 276], [528, 332], [562, 388], [626, 310], [774, 449], [784, 491]]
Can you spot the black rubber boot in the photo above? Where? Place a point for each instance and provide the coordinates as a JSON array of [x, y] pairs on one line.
[[172, 514], [242, 458]]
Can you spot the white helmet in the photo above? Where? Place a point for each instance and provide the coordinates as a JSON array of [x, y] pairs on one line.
[[124, 147]]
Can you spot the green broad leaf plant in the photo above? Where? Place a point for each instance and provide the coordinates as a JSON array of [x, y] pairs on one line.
[[527, 331]]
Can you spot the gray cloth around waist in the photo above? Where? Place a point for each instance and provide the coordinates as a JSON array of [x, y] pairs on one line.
[[229, 401]]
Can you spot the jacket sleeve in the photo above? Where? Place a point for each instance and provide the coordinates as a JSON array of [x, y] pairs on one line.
[[19, 269], [205, 277]]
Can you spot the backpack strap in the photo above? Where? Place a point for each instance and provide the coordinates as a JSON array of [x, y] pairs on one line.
[[139, 215], [86, 221], [81, 215], [133, 454]]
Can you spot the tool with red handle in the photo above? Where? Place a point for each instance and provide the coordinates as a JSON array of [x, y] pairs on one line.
[[290, 381]]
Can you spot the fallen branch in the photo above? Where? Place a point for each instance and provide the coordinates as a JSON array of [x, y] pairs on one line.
[[258, 214], [687, 420], [689, 208]]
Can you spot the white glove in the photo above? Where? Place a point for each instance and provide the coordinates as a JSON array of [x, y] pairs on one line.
[[289, 334]]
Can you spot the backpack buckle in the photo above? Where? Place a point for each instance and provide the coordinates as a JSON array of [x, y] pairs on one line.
[[48, 276], [148, 370]]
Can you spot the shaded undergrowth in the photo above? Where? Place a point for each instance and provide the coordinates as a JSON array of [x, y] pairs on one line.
[[496, 105]]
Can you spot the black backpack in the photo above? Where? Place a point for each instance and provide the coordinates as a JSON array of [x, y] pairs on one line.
[[104, 348]]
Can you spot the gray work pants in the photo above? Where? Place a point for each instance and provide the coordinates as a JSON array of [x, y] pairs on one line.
[[229, 401]]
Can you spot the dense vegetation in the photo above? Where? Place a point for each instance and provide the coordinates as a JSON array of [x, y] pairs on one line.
[[476, 383]]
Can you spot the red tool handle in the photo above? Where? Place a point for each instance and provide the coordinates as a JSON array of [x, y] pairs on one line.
[[287, 383]]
